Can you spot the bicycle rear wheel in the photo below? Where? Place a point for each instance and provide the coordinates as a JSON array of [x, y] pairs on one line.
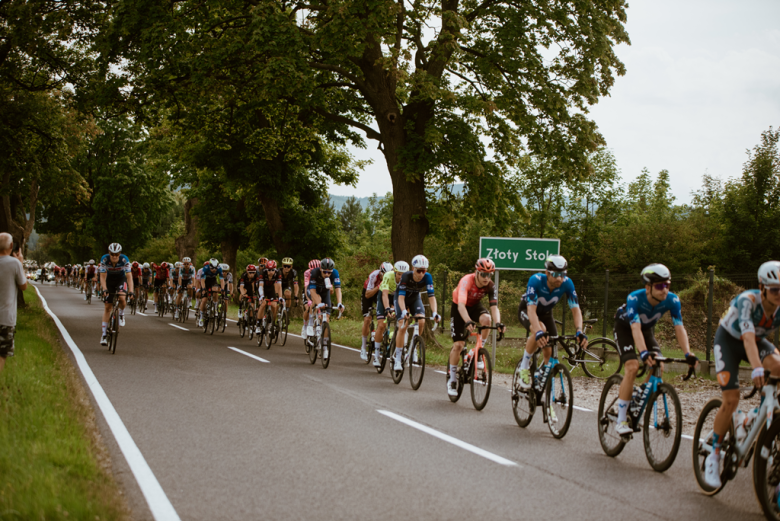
[[313, 346], [325, 345], [559, 400], [702, 447], [370, 346], [268, 328], [523, 400], [284, 324], [766, 470], [212, 317], [481, 380], [611, 442], [385, 353], [417, 362], [241, 326], [601, 359], [224, 315]]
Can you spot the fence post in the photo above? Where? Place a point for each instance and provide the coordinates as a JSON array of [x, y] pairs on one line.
[[606, 303], [710, 292], [494, 331], [564, 308]]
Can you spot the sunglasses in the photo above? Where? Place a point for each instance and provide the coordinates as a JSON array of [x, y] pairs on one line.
[[287, 267], [664, 285], [327, 272], [557, 274], [774, 290], [420, 271], [485, 275]]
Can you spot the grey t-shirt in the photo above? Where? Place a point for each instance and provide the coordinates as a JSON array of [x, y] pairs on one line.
[[11, 276]]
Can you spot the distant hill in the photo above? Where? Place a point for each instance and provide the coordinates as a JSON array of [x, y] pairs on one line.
[[339, 200]]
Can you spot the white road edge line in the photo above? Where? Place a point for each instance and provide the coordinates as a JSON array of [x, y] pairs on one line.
[[142, 314], [158, 502], [250, 355], [449, 439], [178, 327]]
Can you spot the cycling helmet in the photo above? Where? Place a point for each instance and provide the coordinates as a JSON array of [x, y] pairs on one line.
[[146, 265], [251, 269], [314, 264], [224, 267], [485, 265], [556, 263], [261, 261], [287, 261], [402, 266], [164, 265], [115, 247], [135, 265], [177, 265], [205, 264], [656, 273], [91, 261], [186, 259], [769, 273], [327, 264], [420, 261], [385, 267], [270, 265], [214, 262]]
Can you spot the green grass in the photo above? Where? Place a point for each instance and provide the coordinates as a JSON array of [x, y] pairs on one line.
[[49, 461]]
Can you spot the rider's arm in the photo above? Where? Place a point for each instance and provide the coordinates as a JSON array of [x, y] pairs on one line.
[[432, 302], [402, 302], [533, 319], [495, 313], [130, 287], [682, 339], [315, 297], [278, 288], [639, 338], [464, 314], [103, 281], [338, 296], [386, 298], [576, 313], [751, 349]]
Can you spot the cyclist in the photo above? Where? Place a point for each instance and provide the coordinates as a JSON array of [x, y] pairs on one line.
[[741, 335], [160, 281], [146, 282], [367, 300], [247, 285], [91, 274], [228, 276], [269, 288], [408, 296], [634, 330], [135, 271], [385, 304], [211, 280], [467, 310], [289, 281], [184, 280], [321, 281], [535, 312], [261, 262], [314, 263], [114, 268]]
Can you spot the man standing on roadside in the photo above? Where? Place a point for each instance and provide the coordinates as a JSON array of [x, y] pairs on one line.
[[11, 278]]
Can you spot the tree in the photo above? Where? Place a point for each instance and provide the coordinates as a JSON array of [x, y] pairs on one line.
[[352, 217]]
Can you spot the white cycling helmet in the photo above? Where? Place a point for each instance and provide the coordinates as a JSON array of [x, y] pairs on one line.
[[420, 261], [114, 247], [556, 263], [769, 273], [653, 273], [402, 266], [177, 265], [186, 259], [214, 263], [386, 266], [91, 262], [224, 267], [146, 265]]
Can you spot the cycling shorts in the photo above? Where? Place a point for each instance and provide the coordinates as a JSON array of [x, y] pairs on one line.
[[6, 341], [729, 352], [545, 318], [112, 287], [367, 302], [414, 306], [136, 283], [625, 341], [210, 282], [325, 297], [458, 329], [158, 283], [381, 311]]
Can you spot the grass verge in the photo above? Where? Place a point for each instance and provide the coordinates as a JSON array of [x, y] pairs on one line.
[[52, 463]]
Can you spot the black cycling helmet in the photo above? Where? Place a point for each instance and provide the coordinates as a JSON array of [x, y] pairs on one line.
[[327, 264], [656, 273]]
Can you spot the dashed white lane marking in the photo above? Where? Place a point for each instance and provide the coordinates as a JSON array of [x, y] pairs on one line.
[[142, 314], [250, 355], [449, 439], [178, 327], [158, 502]]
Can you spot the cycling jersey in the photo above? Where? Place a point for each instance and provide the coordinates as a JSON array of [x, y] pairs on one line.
[[540, 295], [637, 310], [91, 270], [373, 280], [136, 272], [409, 287], [248, 284], [290, 279], [146, 274], [268, 281], [746, 315], [468, 292], [186, 273], [160, 273], [388, 283], [115, 271], [209, 272], [317, 280]]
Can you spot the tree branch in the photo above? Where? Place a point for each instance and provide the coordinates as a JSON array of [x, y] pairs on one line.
[[339, 70], [370, 132], [484, 5]]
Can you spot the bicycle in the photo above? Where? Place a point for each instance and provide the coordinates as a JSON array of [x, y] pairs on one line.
[[387, 346], [266, 336], [112, 329], [321, 341], [246, 316], [223, 308], [370, 346], [763, 439], [557, 400], [210, 318], [283, 324], [657, 414], [596, 359], [89, 294], [480, 374], [413, 355]]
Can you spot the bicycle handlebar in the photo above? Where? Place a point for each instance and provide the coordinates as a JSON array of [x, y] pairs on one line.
[[479, 329], [691, 368]]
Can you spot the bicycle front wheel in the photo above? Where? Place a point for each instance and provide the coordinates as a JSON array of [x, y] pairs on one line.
[[601, 359], [268, 328], [397, 375], [325, 345], [284, 324], [611, 442], [241, 327], [481, 379], [385, 353], [370, 343], [315, 342], [417, 362], [114, 324], [663, 428], [766, 470], [523, 400], [702, 446], [559, 400]]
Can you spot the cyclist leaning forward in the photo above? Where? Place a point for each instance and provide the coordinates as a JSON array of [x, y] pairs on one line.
[[269, 288], [385, 304], [408, 296], [161, 274], [307, 303], [368, 299], [634, 331], [467, 310], [114, 268], [184, 279], [321, 280], [211, 280], [741, 335], [289, 281], [535, 312], [91, 275]]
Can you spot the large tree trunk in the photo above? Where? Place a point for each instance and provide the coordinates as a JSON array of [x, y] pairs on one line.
[[17, 218], [187, 244], [273, 217]]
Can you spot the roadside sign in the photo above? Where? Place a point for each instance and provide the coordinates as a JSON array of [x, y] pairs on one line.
[[518, 253]]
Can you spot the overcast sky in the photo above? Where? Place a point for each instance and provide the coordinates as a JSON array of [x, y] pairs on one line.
[[702, 83]]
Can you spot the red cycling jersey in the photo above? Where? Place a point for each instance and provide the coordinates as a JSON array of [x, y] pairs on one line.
[[468, 292], [160, 272]]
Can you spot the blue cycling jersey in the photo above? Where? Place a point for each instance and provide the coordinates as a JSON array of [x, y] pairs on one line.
[[210, 272], [410, 287], [114, 271], [746, 315], [317, 280], [540, 295], [638, 310]]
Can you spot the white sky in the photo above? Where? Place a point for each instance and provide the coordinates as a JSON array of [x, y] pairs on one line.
[[702, 83]]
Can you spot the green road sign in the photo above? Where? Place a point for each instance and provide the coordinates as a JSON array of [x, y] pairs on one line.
[[518, 253]]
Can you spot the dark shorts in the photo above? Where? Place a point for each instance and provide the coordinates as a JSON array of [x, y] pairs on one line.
[[7, 341], [545, 318], [625, 341], [414, 306], [136, 283], [270, 295], [729, 352], [458, 329], [159, 283], [367, 302], [113, 287], [381, 311], [210, 282]]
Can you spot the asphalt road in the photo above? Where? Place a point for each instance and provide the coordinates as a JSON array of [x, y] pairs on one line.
[[231, 437]]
